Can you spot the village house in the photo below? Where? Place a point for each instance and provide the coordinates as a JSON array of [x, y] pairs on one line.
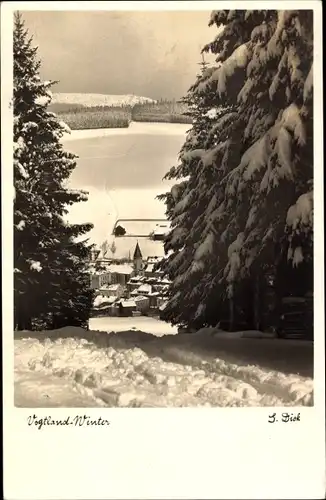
[[127, 307], [142, 303], [144, 289], [115, 290], [120, 273], [98, 279], [149, 270], [134, 283]]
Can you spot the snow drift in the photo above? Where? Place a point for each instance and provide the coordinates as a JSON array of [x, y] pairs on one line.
[[72, 367]]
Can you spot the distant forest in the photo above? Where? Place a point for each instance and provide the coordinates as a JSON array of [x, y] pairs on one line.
[[89, 117]]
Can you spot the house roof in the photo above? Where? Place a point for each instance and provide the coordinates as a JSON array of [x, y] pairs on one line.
[[128, 303], [153, 260], [125, 246], [120, 269], [145, 287], [100, 299], [137, 252], [140, 298], [116, 286]]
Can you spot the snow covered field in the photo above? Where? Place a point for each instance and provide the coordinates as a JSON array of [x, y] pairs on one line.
[[135, 128], [72, 367]]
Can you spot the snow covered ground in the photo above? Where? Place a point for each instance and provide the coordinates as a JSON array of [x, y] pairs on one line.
[[134, 128], [72, 367]]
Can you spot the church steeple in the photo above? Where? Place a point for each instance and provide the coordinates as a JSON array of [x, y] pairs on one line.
[[138, 259], [137, 252]]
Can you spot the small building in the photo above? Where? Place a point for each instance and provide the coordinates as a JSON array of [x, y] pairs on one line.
[[144, 289], [133, 284], [142, 303], [120, 273], [153, 259], [153, 299], [99, 279], [127, 307], [115, 290], [102, 305], [150, 270]]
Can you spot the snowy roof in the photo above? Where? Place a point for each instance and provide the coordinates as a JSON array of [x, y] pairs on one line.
[[112, 299], [101, 300], [125, 246], [137, 283], [140, 227], [153, 260], [145, 287], [149, 268], [116, 286], [128, 303], [120, 269], [161, 229], [140, 298]]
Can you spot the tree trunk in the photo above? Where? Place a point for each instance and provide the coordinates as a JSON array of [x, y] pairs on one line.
[[231, 309], [257, 302]]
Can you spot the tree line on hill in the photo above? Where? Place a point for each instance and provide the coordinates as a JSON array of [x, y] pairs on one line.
[[87, 117], [241, 209]]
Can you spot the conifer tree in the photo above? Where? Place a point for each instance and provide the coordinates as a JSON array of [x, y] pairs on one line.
[[191, 202], [252, 184], [51, 283]]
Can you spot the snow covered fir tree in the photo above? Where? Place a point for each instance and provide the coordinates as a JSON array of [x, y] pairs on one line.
[[241, 211], [51, 283]]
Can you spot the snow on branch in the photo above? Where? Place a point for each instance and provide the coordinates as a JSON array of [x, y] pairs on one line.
[[238, 59], [308, 85], [301, 214]]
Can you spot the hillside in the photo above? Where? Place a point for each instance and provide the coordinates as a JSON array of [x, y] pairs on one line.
[[91, 100]]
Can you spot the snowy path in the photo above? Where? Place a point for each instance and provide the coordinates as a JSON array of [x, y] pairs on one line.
[[74, 368]]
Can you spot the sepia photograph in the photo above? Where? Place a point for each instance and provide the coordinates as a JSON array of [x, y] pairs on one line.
[[163, 166]]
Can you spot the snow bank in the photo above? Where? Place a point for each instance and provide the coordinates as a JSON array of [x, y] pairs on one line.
[[135, 369]]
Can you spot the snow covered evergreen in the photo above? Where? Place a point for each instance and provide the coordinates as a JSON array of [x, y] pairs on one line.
[[50, 279], [246, 204]]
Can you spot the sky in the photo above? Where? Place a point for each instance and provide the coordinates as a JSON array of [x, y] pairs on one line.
[[153, 54]]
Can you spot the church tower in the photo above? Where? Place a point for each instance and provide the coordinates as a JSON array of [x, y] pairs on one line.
[[138, 260]]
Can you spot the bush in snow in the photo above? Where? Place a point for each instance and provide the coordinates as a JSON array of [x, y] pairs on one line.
[[245, 208], [51, 282]]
